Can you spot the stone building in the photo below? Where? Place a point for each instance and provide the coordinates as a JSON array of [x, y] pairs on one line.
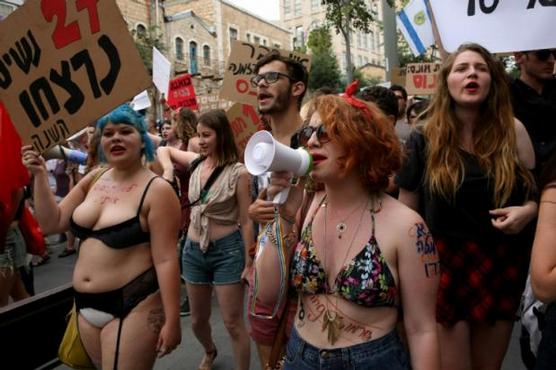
[[300, 17]]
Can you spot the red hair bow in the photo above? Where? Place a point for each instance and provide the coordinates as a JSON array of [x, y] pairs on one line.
[[351, 89]]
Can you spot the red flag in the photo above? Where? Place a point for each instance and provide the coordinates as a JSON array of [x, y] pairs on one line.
[[13, 175]]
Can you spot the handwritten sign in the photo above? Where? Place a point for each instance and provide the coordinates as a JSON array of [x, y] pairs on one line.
[[241, 67], [500, 26], [63, 64], [421, 78], [182, 93], [244, 122], [208, 101]]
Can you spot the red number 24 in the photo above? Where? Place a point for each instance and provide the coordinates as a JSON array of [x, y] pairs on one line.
[[64, 34]]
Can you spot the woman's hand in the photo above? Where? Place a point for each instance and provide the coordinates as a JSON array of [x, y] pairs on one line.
[[261, 210], [511, 220], [169, 338], [32, 160]]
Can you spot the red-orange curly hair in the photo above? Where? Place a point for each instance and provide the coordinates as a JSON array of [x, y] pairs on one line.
[[370, 144]]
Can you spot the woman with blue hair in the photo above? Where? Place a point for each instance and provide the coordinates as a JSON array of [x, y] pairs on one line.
[[126, 277]]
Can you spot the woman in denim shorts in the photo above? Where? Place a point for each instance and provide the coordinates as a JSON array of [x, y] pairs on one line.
[[361, 256], [215, 253]]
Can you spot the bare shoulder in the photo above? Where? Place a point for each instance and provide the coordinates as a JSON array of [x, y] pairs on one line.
[[403, 218], [519, 127], [160, 192]]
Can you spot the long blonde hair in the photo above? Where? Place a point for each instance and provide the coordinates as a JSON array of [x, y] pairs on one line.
[[494, 140]]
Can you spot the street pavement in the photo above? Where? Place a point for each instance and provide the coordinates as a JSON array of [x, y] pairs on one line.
[[188, 355]]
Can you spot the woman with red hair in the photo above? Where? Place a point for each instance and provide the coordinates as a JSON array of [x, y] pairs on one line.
[[361, 256]]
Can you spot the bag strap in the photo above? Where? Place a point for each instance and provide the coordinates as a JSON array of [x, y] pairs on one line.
[[280, 338], [212, 178]]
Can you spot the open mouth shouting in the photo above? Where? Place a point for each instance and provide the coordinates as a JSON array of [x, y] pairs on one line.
[[264, 98], [317, 158], [117, 150], [471, 87]]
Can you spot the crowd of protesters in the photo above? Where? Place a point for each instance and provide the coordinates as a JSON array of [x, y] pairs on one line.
[[406, 247]]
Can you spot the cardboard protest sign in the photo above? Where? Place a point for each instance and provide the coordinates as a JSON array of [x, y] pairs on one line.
[[241, 67], [63, 65], [211, 100], [398, 76], [244, 121], [421, 78], [497, 25], [182, 93]]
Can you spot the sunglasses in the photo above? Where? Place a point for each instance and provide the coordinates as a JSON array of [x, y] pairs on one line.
[[544, 54], [304, 134], [268, 77]]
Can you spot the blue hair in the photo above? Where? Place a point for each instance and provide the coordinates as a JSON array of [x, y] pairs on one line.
[[126, 115]]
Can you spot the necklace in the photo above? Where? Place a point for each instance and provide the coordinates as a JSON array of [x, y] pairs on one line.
[[331, 320], [341, 227]]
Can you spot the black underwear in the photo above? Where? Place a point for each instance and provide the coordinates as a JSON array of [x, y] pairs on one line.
[[121, 301]]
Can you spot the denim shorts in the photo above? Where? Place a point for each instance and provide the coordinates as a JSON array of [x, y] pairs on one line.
[[15, 250], [222, 263], [383, 353]]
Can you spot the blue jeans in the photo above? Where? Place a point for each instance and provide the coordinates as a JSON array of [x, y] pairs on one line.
[[384, 353], [221, 264]]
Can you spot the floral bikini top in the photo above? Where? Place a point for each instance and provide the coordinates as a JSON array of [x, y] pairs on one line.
[[366, 280]]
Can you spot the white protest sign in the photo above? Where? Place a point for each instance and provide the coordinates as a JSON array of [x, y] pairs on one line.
[[161, 71], [500, 26], [141, 101]]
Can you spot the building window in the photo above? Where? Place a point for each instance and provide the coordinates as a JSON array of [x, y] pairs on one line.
[[299, 39], [206, 55], [366, 59], [248, 37], [193, 68], [141, 30], [287, 7], [359, 41], [372, 37], [256, 40], [233, 34], [276, 45], [179, 48], [297, 8], [315, 4], [264, 42]]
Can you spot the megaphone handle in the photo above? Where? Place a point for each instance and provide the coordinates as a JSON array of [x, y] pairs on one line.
[[281, 197]]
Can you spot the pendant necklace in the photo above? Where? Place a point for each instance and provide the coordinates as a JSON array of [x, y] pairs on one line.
[[331, 320], [341, 227]]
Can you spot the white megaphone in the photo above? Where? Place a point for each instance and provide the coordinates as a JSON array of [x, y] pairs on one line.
[[263, 153]]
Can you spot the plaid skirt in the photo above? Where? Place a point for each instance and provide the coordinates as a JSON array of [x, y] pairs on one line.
[[480, 282]]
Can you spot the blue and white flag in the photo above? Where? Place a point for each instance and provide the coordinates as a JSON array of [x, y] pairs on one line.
[[415, 24]]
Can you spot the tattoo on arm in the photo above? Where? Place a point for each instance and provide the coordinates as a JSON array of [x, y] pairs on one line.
[[426, 249]]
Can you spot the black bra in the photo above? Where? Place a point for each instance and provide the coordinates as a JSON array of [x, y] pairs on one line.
[[125, 234]]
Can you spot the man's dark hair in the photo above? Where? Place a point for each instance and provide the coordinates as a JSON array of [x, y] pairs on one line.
[[323, 90], [399, 88], [384, 98], [296, 70]]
